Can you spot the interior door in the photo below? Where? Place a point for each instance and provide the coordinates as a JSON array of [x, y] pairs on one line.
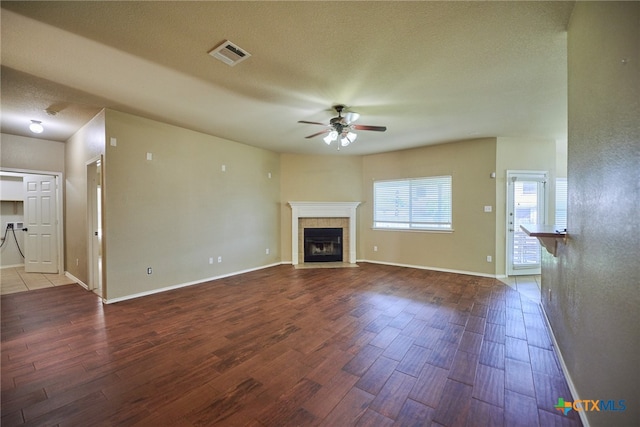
[[40, 224], [526, 196]]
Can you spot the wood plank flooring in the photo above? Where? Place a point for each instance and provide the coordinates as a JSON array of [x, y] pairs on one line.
[[370, 346]]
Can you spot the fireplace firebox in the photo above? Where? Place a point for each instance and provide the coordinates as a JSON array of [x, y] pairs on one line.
[[323, 244]]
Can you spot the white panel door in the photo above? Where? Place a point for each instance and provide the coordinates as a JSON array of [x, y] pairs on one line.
[[40, 224]]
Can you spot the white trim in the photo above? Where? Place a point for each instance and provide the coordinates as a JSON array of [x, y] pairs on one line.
[[75, 279], [90, 255], [184, 285], [323, 210], [424, 267], [414, 230], [565, 370], [11, 266], [510, 177]]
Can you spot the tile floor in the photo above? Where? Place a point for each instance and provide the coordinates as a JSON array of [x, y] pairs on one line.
[[528, 286], [13, 280]]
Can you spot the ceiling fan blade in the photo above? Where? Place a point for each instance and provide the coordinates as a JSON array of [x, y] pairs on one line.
[[318, 133], [367, 127], [312, 123]]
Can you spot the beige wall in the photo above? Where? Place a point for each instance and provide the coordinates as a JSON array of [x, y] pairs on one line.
[[520, 154], [83, 146], [470, 163], [561, 158], [591, 290], [174, 212], [19, 152], [307, 178]]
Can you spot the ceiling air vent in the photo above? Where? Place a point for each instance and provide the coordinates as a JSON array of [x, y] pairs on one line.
[[229, 53]]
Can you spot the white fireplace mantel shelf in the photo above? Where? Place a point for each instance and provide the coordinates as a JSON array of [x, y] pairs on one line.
[[323, 210]]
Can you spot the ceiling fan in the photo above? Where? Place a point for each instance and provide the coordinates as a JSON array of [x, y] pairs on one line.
[[343, 127]]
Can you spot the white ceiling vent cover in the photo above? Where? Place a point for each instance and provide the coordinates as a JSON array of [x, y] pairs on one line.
[[229, 53]]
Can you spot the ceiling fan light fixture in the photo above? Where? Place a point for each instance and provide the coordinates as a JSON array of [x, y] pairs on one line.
[[341, 127], [332, 136], [348, 139], [36, 126], [351, 116]]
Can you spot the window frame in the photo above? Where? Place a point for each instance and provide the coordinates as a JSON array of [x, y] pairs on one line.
[[411, 224]]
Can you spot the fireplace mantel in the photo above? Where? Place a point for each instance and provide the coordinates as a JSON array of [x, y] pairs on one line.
[[323, 210]]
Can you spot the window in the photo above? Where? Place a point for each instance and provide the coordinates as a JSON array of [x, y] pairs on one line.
[[561, 203], [413, 204]]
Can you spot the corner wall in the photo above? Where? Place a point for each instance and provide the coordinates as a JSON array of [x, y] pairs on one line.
[[83, 146], [307, 178], [592, 289]]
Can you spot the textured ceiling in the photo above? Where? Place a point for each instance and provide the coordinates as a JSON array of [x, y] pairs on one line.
[[431, 72]]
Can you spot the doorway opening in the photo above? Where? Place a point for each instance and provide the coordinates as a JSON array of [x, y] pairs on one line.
[[35, 217], [94, 221], [526, 204]]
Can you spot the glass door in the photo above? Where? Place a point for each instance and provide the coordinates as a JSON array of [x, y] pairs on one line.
[[526, 195]]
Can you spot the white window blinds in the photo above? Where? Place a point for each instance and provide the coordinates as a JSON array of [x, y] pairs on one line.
[[561, 203], [417, 203]]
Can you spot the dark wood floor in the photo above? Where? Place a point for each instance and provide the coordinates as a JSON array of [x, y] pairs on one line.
[[370, 346]]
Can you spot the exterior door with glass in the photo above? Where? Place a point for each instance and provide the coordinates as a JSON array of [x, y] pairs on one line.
[[526, 196]]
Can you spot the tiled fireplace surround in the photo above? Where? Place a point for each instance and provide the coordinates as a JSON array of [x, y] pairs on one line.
[[323, 215]]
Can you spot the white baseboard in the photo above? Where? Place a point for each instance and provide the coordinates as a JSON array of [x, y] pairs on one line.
[[563, 366], [183, 285], [424, 267], [11, 266], [75, 279]]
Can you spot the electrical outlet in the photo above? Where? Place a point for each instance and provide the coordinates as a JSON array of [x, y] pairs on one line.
[[149, 270], [375, 249], [10, 225], [488, 208], [211, 260], [219, 259], [489, 258]]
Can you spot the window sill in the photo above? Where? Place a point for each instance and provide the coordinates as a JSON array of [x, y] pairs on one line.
[[413, 230]]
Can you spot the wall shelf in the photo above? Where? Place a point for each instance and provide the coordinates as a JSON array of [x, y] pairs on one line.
[[547, 235]]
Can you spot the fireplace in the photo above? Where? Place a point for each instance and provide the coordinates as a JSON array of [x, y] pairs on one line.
[[323, 244], [323, 215]]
